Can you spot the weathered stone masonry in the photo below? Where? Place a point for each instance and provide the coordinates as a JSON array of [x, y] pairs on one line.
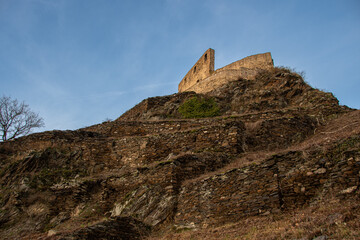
[[202, 69], [202, 78]]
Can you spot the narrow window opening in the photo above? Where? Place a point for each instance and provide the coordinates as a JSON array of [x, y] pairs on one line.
[[194, 69], [205, 57]]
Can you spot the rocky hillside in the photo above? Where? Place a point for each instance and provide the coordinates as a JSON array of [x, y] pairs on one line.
[[270, 158]]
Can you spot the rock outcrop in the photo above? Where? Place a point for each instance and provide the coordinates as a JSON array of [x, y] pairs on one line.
[[276, 148]]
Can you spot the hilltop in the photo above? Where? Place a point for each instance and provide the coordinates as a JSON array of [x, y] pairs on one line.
[[263, 158]]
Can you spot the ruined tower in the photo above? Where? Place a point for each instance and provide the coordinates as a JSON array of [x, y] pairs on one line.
[[202, 77], [202, 69]]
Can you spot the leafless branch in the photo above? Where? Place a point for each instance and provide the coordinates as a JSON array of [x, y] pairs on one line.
[[16, 119]]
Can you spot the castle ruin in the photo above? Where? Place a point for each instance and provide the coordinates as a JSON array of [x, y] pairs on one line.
[[203, 78]]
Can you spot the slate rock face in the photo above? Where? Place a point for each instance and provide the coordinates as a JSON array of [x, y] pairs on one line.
[[120, 228], [281, 182], [278, 146]]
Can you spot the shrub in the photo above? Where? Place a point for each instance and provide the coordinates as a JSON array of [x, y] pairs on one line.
[[277, 71], [291, 70], [199, 107]]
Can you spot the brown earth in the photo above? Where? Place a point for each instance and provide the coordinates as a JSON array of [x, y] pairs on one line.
[[281, 161]]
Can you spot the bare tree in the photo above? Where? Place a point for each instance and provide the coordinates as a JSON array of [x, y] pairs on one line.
[[16, 119]]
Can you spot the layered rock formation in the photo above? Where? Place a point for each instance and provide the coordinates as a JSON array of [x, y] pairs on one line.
[[276, 148]]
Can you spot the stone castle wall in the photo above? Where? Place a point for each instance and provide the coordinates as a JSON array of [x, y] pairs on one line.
[[258, 61], [221, 77], [202, 78], [201, 70]]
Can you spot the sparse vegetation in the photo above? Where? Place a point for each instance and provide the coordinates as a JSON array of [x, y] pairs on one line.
[[107, 120], [293, 225], [48, 177], [291, 70], [91, 211], [350, 145], [199, 107], [278, 71]]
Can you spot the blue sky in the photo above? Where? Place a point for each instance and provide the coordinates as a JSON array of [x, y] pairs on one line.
[[78, 62]]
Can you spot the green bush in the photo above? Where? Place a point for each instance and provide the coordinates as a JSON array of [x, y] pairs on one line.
[[199, 107]]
